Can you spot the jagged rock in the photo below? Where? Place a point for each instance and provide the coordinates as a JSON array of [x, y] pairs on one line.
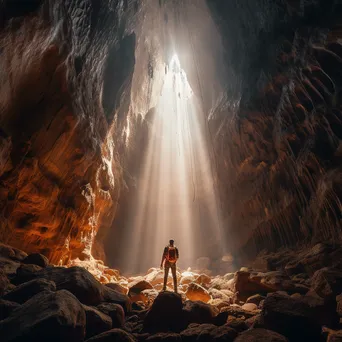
[[36, 259], [115, 312], [327, 283], [196, 292], [198, 312], [258, 335], [97, 321], [208, 332], [48, 316], [167, 337], [136, 289], [294, 318], [254, 322], [112, 335], [6, 308], [118, 288], [25, 291], [4, 282], [165, 314], [256, 299]]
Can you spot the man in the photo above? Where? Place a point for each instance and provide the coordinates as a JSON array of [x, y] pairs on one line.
[[169, 259]]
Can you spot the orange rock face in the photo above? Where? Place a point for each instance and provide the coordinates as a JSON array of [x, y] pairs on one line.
[[59, 180]]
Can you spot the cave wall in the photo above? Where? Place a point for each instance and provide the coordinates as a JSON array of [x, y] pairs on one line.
[[66, 68], [277, 131]]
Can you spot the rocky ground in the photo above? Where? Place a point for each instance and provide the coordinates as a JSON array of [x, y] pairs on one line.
[[284, 296]]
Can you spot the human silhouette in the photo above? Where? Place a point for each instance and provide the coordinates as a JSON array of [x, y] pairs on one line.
[[169, 259]]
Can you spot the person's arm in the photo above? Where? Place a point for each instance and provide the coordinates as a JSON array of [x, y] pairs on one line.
[[177, 253], [163, 257]]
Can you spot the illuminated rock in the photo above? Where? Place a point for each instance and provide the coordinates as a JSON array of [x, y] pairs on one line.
[[197, 292]]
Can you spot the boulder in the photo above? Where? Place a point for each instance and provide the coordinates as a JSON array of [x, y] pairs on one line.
[[25, 273], [6, 308], [9, 266], [112, 296], [196, 292], [256, 299], [118, 288], [165, 337], [25, 291], [4, 282], [203, 280], [208, 332], [165, 314], [10, 252], [112, 335], [249, 307], [115, 312], [96, 321], [291, 317], [238, 324], [36, 259], [135, 290], [48, 316], [198, 312], [260, 335], [327, 283]]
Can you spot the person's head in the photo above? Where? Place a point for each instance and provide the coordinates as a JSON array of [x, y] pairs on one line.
[[172, 242]]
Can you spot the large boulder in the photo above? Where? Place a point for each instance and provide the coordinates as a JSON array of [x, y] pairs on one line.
[[97, 321], [115, 312], [36, 259], [25, 291], [76, 280], [327, 283], [6, 308], [260, 335], [197, 292], [113, 335], [198, 312], [25, 273], [208, 332], [293, 318], [165, 314], [48, 316], [256, 299]]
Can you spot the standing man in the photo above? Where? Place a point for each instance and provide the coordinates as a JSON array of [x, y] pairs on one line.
[[169, 259]]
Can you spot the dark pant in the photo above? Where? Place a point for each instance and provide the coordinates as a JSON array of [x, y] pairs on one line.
[[167, 266]]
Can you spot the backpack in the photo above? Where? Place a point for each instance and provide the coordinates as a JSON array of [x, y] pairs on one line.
[[171, 254]]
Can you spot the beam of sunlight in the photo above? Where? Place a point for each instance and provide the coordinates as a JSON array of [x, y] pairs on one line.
[[176, 193]]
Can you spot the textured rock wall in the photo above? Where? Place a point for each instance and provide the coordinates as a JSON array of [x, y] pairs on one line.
[[277, 131], [64, 69]]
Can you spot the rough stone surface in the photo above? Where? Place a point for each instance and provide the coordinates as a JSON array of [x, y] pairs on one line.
[[113, 335], [260, 335], [36, 259], [115, 312], [6, 308], [25, 291], [97, 321], [48, 316]]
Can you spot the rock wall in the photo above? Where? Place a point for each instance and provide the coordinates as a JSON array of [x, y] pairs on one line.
[[66, 69], [277, 129]]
